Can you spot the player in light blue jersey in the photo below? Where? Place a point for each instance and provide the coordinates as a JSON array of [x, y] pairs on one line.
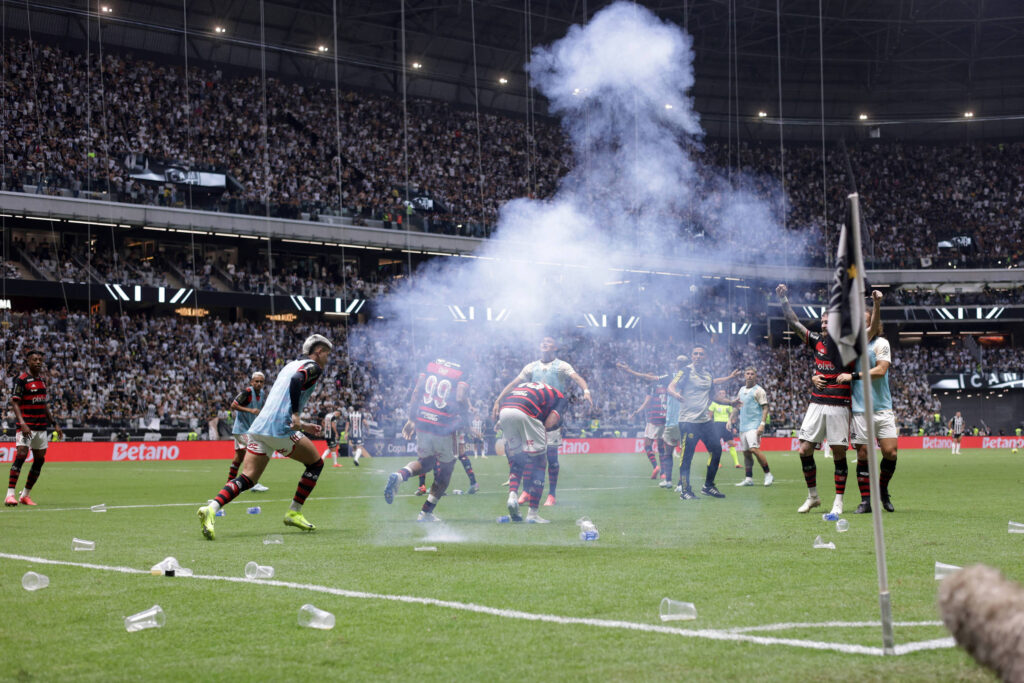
[[246, 407], [554, 373], [886, 431], [752, 415], [279, 427]]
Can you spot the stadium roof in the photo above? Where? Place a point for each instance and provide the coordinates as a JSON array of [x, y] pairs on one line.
[[914, 68]]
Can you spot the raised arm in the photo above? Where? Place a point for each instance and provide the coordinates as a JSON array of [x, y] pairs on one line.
[[647, 401], [783, 293], [646, 376], [582, 384], [875, 328], [731, 376]]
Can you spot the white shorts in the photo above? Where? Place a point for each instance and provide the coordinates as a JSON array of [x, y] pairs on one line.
[[523, 432], [241, 441], [554, 437], [826, 423], [36, 440], [750, 440], [885, 426], [653, 431], [441, 445], [262, 444], [671, 434]]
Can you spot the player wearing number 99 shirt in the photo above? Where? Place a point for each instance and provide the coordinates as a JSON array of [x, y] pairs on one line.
[[439, 403]]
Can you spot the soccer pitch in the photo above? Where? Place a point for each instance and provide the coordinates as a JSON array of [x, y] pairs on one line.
[[496, 601]]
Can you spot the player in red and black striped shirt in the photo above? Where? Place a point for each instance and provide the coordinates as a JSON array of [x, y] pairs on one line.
[[655, 410], [526, 414], [32, 417]]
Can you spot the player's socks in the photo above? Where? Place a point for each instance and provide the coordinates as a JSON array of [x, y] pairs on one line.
[[810, 472], [864, 480], [232, 471], [735, 456], [748, 465], [33, 474], [231, 491], [429, 504], [12, 480], [468, 466], [649, 452], [842, 472], [307, 482], [886, 468], [406, 474], [553, 468]]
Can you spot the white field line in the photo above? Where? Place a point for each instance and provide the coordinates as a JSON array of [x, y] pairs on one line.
[[708, 634], [827, 624]]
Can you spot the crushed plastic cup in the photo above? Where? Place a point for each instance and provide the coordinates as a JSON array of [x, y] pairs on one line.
[[819, 543], [830, 517], [583, 520], [169, 566], [504, 519], [675, 610], [258, 571], [82, 544], [457, 492], [33, 582], [254, 510], [1016, 528], [153, 617], [311, 617], [942, 570], [273, 539], [588, 532], [842, 525], [426, 548], [99, 508]]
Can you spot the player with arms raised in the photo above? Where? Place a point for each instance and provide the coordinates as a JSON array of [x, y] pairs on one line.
[[32, 418], [528, 415], [246, 407], [439, 403], [555, 373], [279, 427]]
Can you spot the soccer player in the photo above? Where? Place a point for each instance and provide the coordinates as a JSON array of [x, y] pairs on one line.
[[246, 406], [879, 358], [32, 418], [956, 428], [476, 434], [466, 464], [354, 427], [332, 432], [528, 415], [692, 386], [828, 414], [660, 407], [279, 427], [752, 415], [439, 401], [555, 373]]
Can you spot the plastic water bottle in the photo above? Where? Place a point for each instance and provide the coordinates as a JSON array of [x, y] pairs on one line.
[[457, 492], [219, 513], [588, 532], [254, 510], [830, 517], [504, 519]]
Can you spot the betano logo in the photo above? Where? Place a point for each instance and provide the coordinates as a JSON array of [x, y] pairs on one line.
[[123, 451], [573, 447]]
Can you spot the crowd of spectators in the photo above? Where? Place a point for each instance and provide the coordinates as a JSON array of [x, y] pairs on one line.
[[120, 372], [63, 132]]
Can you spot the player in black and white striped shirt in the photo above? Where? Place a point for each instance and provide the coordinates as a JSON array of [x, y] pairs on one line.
[[956, 426], [355, 426]]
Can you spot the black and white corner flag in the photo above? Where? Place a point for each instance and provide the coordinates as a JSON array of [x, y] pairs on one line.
[[845, 303]]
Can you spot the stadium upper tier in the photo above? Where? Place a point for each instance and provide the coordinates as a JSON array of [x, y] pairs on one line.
[[126, 130]]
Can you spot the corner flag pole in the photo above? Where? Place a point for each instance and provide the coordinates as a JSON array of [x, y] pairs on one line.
[[884, 600]]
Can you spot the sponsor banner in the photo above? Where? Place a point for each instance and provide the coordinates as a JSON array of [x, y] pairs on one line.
[[135, 451], [988, 381]]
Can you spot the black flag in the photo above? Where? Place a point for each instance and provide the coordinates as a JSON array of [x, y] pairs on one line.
[[845, 304]]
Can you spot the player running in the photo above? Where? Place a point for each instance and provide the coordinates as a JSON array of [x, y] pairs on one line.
[[439, 401], [528, 415], [32, 417], [246, 407], [555, 373], [692, 386], [279, 427], [956, 427], [828, 413], [886, 431], [752, 415], [332, 431]]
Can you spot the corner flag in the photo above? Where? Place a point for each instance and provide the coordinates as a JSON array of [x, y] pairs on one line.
[[845, 302]]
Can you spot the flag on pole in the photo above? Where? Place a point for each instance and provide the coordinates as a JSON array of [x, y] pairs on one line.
[[845, 304]]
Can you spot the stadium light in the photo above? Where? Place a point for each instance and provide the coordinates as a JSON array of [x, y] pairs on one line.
[[863, 117], [106, 9], [321, 48], [668, 106], [417, 65], [219, 29], [968, 114], [503, 81], [762, 114]]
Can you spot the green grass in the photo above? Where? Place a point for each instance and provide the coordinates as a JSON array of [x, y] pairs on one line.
[[744, 561]]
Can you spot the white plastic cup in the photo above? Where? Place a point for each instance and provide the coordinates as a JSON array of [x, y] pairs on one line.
[[1016, 528], [675, 610], [153, 617], [819, 543], [583, 520], [588, 532], [311, 617], [99, 508], [82, 544], [426, 548], [942, 570], [33, 582], [273, 539], [842, 525], [258, 571]]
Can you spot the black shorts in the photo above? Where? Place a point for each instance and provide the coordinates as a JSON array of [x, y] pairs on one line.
[[723, 431], [355, 441], [958, 436], [331, 442]]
